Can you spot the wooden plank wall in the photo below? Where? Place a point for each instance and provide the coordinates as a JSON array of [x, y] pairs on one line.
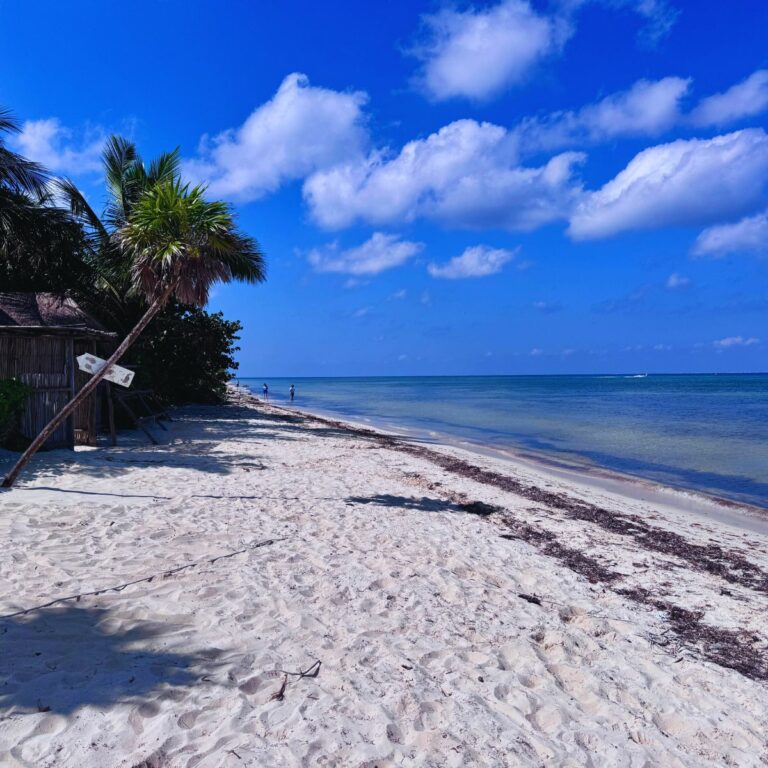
[[45, 363]]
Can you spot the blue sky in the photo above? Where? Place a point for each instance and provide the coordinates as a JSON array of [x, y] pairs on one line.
[[570, 186]]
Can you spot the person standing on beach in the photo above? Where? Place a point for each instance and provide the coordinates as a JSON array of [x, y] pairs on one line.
[[265, 390], [292, 390]]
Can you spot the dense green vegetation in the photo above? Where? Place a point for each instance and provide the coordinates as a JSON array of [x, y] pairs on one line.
[[190, 354], [12, 396], [116, 263]]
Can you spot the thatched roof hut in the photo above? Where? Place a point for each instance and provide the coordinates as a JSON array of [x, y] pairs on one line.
[[41, 334]]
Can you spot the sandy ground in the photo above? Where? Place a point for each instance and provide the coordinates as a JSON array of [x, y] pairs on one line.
[[499, 616]]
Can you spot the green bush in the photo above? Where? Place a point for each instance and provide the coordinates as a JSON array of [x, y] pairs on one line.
[[12, 396], [186, 355]]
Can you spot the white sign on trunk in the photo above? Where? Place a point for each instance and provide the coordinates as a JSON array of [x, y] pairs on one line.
[[116, 374]]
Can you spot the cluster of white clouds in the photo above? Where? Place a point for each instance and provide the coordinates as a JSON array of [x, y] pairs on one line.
[[387, 251], [721, 345], [472, 174], [469, 174], [735, 341], [478, 175], [648, 108]]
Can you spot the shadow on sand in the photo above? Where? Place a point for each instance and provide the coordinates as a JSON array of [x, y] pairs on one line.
[[65, 658], [425, 504], [192, 443]]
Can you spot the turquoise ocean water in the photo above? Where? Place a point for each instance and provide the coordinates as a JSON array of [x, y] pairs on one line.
[[701, 432]]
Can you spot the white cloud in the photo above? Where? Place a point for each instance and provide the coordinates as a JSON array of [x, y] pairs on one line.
[[676, 280], [547, 307], [362, 312], [478, 53], [54, 146], [477, 261], [300, 129], [399, 295], [536, 352], [750, 235], [648, 108], [464, 175], [659, 15], [662, 347], [699, 181], [745, 99], [378, 253], [355, 282], [735, 341]]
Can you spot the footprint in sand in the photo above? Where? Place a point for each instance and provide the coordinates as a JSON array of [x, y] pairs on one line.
[[431, 716], [149, 709], [50, 725], [546, 718], [394, 734], [187, 720]]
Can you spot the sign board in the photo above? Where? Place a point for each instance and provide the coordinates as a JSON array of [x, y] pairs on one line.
[[116, 374]]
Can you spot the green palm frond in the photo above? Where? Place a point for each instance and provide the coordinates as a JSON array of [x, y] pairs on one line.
[[16, 172], [175, 236], [120, 160], [165, 167], [80, 208]]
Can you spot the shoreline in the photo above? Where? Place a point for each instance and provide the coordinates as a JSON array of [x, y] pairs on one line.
[[739, 514], [300, 591]]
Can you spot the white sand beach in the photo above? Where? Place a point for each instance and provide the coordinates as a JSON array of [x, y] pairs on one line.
[[451, 609]]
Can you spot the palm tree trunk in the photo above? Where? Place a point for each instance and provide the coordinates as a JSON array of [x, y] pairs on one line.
[[91, 385]]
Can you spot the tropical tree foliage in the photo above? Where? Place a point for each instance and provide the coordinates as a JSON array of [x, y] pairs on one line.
[[177, 244], [187, 354], [71, 248], [40, 243], [126, 178]]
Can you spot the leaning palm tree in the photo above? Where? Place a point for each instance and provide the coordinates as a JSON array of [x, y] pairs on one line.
[[179, 244]]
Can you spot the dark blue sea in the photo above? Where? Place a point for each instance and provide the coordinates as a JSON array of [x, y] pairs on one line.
[[702, 432]]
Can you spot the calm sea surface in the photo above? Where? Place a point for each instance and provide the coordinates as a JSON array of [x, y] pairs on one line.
[[707, 433]]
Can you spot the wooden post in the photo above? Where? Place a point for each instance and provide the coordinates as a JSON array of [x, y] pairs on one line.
[[137, 420], [110, 413], [71, 382]]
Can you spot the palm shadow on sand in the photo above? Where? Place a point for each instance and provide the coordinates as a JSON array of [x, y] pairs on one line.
[[65, 658], [425, 504]]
